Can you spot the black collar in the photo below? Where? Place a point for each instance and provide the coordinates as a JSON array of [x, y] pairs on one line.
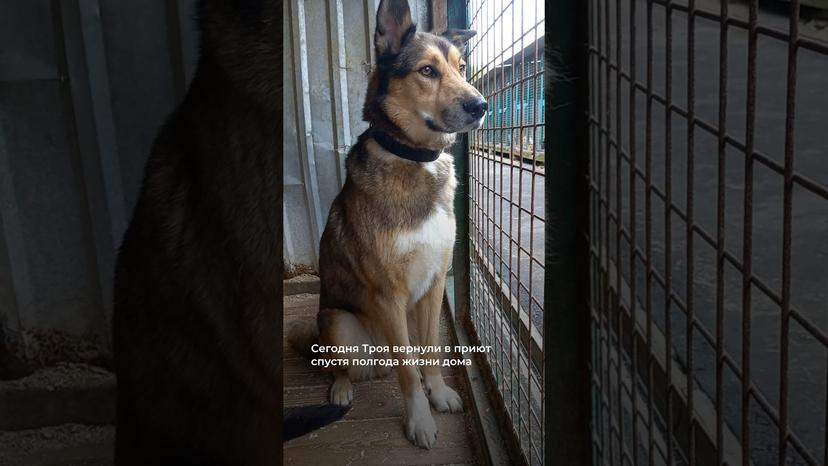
[[402, 150]]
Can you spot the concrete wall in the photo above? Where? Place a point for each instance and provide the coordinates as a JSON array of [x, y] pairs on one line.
[[84, 86], [328, 56]]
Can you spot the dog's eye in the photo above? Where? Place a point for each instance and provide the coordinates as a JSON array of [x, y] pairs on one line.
[[427, 71], [463, 68]]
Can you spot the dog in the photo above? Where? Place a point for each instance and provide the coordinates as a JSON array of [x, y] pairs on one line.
[[389, 237], [198, 279]]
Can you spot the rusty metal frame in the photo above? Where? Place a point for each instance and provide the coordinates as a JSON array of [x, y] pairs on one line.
[[648, 408], [501, 297]]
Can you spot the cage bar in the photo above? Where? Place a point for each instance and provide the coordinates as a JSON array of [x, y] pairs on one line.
[[506, 218]]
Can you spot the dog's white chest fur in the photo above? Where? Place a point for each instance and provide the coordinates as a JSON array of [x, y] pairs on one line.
[[424, 249]]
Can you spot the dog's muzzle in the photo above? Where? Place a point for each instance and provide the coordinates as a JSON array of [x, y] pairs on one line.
[[476, 107]]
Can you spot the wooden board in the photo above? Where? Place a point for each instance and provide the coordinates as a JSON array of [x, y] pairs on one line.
[[372, 431], [379, 441], [372, 399]]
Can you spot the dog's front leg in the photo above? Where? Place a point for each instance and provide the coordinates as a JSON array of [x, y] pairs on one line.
[[419, 423], [442, 397]]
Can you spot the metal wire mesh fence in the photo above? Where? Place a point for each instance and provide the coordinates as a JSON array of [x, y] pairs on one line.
[[506, 218], [708, 194]]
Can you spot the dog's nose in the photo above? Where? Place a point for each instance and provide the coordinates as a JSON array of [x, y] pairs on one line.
[[475, 106]]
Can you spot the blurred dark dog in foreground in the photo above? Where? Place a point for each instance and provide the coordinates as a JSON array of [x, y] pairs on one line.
[[198, 276]]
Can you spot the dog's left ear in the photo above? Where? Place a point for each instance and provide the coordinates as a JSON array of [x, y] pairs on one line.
[[394, 27], [459, 37]]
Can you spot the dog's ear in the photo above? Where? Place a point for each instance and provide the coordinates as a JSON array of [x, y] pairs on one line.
[[394, 27], [459, 37]]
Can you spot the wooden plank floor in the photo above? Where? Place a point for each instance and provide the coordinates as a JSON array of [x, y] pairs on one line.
[[372, 431]]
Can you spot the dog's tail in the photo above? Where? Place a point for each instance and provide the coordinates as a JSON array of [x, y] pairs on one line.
[[301, 420], [302, 334]]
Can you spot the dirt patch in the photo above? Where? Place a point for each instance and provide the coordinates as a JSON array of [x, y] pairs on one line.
[[294, 270], [48, 348], [298, 299], [301, 284], [303, 278], [18, 448], [61, 375]]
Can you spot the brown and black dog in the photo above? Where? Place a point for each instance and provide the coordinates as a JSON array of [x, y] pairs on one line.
[[198, 277], [388, 241]]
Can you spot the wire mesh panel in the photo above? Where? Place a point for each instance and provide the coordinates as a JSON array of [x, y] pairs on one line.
[[506, 218], [708, 191]]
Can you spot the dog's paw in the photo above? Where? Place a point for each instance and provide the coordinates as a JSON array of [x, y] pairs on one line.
[[444, 398], [419, 424], [342, 391], [381, 372]]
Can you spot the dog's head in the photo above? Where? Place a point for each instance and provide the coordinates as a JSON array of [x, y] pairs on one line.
[[418, 90], [242, 39]]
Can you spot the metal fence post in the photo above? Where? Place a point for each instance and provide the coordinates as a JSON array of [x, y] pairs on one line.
[[457, 19], [566, 324]]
